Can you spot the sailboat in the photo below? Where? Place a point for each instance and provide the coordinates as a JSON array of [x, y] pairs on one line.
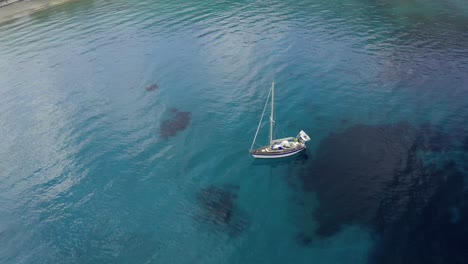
[[282, 147]]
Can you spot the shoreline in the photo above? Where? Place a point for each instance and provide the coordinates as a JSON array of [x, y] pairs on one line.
[[14, 9]]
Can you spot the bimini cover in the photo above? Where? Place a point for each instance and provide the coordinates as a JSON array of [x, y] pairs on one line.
[[304, 136]]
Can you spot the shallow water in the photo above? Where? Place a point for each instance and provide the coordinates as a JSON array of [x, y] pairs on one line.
[[97, 163]]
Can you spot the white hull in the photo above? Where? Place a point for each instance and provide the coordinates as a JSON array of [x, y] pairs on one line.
[[260, 156]]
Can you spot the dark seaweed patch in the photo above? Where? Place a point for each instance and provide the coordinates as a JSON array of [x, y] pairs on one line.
[[465, 144], [152, 87], [218, 207], [350, 171], [303, 239], [355, 170], [179, 122], [376, 176], [430, 138], [430, 230], [219, 203]]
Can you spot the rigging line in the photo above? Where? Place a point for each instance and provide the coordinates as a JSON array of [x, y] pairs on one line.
[[261, 118]]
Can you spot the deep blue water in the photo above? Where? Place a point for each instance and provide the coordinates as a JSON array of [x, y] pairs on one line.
[[125, 128]]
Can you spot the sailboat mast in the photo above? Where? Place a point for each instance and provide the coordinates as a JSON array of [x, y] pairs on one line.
[[272, 121]]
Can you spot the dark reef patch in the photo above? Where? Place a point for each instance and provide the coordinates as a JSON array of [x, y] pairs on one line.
[[179, 122], [218, 207], [152, 87], [379, 177]]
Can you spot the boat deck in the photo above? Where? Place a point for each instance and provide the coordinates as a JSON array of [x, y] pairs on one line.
[[267, 152]]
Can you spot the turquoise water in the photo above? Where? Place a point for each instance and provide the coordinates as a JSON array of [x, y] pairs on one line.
[[96, 166]]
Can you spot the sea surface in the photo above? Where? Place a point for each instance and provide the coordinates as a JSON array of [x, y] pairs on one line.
[[125, 128]]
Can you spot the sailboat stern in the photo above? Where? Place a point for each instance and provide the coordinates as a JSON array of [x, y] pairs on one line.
[[302, 135], [268, 153]]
